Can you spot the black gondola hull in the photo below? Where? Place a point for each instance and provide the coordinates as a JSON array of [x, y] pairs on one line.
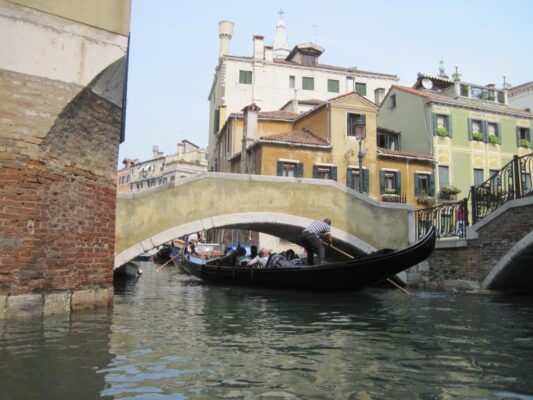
[[339, 276]]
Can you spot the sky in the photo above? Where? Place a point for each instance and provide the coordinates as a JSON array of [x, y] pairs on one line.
[[174, 48]]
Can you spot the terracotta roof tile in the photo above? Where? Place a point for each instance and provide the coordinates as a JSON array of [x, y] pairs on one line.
[[404, 154], [298, 137], [274, 115]]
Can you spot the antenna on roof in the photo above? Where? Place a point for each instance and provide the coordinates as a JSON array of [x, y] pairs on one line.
[[315, 30], [281, 12]]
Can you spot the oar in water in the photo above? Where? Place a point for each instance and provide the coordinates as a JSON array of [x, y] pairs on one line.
[[171, 258], [352, 257]]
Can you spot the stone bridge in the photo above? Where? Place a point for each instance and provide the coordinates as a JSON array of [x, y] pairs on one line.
[[279, 206], [497, 253]]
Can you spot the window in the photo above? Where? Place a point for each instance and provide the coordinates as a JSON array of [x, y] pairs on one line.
[[333, 86], [493, 132], [523, 137], [352, 179], [478, 176], [308, 83], [493, 172], [390, 182], [387, 141], [442, 125], [360, 88], [424, 184], [444, 176], [308, 59], [475, 130], [325, 172], [245, 77], [292, 81], [290, 168], [355, 121], [393, 101]]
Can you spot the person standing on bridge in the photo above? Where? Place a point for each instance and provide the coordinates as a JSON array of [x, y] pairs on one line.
[[312, 242]]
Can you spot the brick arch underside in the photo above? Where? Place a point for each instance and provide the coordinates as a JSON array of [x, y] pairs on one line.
[[285, 226], [514, 269]]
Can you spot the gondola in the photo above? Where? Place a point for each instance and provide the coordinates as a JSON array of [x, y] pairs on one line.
[[350, 275]]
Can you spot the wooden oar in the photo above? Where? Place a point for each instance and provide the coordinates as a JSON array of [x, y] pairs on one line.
[[161, 267], [352, 257]]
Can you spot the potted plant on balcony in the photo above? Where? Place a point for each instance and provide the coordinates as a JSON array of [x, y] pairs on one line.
[[494, 139], [442, 132], [524, 143], [477, 136], [449, 192], [425, 200]]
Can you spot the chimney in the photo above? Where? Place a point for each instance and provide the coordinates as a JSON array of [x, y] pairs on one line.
[[225, 31], [180, 148], [379, 93], [259, 47], [269, 53], [249, 133], [155, 152]]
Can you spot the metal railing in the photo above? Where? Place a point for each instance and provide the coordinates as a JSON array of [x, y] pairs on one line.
[[450, 219], [393, 198]]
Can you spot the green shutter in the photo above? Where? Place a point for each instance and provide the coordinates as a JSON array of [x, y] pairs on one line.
[[398, 182], [470, 129], [279, 168], [431, 188], [449, 125], [360, 88], [517, 136], [435, 122], [382, 181], [499, 132], [365, 180], [299, 170], [417, 184], [349, 178], [485, 127], [315, 171], [334, 173]]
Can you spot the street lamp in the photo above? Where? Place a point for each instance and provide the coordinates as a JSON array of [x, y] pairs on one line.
[[360, 134]]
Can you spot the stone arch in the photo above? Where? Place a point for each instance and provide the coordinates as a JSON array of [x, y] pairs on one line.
[[513, 270], [283, 225]]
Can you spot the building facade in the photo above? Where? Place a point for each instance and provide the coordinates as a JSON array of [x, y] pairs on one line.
[[470, 130], [521, 96], [62, 77], [275, 75], [322, 143], [136, 175]]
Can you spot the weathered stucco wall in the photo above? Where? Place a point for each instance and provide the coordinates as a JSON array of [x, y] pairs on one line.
[[212, 195]]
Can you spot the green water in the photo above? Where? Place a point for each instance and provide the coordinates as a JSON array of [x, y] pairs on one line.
[[170, 337]]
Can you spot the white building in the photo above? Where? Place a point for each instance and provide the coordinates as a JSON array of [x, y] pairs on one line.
[[161, 170], [275, 75], [521, 96]]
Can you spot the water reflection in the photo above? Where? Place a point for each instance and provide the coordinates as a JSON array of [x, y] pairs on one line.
[[54, 358], [170, 336]]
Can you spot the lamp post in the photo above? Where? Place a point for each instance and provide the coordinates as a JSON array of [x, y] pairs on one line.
[[360, 134]]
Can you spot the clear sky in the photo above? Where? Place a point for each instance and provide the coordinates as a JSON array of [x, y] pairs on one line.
[[174, 50]]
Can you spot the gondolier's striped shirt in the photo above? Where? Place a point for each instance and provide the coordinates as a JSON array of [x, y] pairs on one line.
[[318, 228]]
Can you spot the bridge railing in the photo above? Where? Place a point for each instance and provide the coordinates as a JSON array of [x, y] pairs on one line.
[[511, 182]]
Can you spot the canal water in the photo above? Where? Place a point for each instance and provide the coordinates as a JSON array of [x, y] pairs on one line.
[[169, 336]]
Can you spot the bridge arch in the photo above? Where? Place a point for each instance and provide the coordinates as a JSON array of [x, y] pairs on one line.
[[513, 270], [276, 205]]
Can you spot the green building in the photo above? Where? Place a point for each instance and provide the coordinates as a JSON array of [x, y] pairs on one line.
[[469, 129]]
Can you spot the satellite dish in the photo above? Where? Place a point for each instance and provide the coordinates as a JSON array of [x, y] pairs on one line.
[[427, 83]]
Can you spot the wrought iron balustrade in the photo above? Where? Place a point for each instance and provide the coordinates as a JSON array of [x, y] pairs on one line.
[[511, 182], [393, 198]]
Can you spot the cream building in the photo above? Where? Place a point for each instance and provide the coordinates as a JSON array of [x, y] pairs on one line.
[[274, 75], [521, 96]]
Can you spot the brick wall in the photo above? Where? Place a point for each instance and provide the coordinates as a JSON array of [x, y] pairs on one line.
[[58, 156], [454, 263]]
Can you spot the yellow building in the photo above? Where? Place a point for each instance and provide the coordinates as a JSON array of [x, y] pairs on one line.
[[321, 143]]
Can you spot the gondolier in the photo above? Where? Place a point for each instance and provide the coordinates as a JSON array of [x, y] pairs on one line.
[[311, 239]]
